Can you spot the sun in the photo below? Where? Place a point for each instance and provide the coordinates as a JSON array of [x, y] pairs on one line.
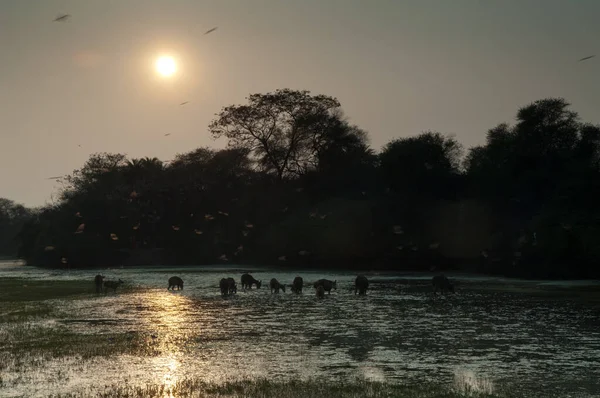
[[166, 66]]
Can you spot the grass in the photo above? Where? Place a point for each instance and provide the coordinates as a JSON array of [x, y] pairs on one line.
[[22, 290], [261, 388], [28, 339], [23, 300], [22, 312], [25, 346]]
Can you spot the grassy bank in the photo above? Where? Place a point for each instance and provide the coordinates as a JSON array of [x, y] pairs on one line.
[[30, 334], [196, 388]]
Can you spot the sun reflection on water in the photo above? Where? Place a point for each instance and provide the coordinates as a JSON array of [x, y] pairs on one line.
[[168, 316], [170, 377]]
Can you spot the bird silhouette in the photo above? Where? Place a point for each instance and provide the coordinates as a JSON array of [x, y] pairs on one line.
[[185, 102], [588, 57], [168, 134], [211, 30], [62, 18]]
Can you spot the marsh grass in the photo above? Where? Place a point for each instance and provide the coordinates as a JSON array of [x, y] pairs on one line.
[[22, 290], [27, 346], [262, 388], [30, 335], [23, 311]]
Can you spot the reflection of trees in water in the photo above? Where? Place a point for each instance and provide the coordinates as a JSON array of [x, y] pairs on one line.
[[362, 346], [358, 347]]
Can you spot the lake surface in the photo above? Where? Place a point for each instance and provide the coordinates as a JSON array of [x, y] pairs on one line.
[[529, 337]]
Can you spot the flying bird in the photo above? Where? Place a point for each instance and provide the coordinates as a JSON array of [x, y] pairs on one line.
[[588, 57], [185, 102], [238, 250], [55, 178], [211, 30], [62, 18]]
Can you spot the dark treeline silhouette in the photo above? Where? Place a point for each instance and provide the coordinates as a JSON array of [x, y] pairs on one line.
[[12, 218], [298, 185]]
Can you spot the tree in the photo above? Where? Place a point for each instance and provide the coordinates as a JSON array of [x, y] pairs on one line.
[[12, 218], [277, 128], [532, 196], [427, 164]]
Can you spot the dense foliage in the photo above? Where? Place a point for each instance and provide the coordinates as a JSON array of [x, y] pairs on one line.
[[299, 185], [12, 218]]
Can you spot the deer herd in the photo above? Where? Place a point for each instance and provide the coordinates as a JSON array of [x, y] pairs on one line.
[[229, 287]]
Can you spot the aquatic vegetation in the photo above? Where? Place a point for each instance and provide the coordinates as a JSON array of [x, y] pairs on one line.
[[21, 289], [398, 340], [196, 388]]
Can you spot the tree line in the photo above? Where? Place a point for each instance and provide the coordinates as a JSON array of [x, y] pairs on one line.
[[299, 185]]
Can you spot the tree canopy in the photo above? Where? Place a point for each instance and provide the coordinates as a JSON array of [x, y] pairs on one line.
[[300, 185]]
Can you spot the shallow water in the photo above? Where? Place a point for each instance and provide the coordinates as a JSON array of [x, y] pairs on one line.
[[515, 339]]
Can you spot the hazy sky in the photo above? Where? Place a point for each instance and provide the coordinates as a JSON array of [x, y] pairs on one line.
[[398, 68]]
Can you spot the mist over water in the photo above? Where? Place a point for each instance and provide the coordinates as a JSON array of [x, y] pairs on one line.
[[484, 337]]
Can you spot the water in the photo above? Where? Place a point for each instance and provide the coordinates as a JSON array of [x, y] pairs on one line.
[[500, 331]]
